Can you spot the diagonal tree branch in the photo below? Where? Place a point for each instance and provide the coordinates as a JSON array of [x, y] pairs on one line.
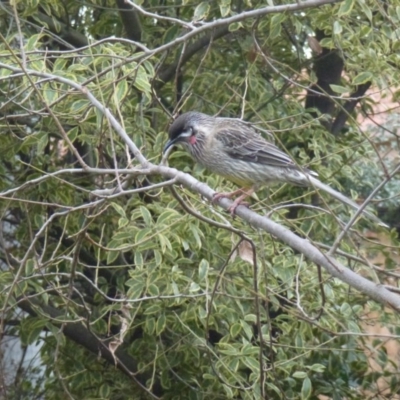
[[329, 263], [303, 246]]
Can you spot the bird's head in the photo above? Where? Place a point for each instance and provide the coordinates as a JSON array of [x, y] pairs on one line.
[[189, 130]]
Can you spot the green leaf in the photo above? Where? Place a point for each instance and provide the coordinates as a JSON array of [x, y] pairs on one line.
[[317, 368], [112, 256], [79, 106], [196, 234], [136, 288], [362, 77], [247, 329], [250, 318], [138, 259], [30, 140], [114, 244], [250, 350], [353, 327], [164, 243], [121, 90], [275, 388], [29, 267], [345, 309], [228, 391], [118, 209], [203, 269], [142, 80], [328, 43], [229, 350], [194, 287], [146, 216], [150, 325], [73, 133], [32, 42], [234, 364], [31, 328], [161, 323], [337, 28], [366, 9], [235, 329], [39, 220], [235, 26], [346, 7], [122, 236], [339, 89], [201, 11], [167, 216], [42, 143], [142, 234], [300, 375], [171, 33], [60, 65], [276, 25], [157, 257], [105, 391], [306, 389], [5, 72], [49, 94], [252, 363], [153, 309], [225, 7], [46, 7], [153, 290]]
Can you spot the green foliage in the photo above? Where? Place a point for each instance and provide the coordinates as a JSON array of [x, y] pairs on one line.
[[137, 272]]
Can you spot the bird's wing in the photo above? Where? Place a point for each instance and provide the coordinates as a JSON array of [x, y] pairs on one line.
[[243, 143]]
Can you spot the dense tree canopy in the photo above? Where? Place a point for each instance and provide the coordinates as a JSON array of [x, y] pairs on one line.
[[115, 263]]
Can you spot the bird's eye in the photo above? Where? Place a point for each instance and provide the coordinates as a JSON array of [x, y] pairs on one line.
[[187, 132]]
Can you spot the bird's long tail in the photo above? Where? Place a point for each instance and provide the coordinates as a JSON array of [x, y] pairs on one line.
[[341, 197]]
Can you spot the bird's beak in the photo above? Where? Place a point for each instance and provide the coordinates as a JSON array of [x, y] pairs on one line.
[[170, 143]]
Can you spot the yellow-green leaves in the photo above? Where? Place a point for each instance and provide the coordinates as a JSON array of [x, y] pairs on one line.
[[225, 7], [362, 77], [306, 389], [50, 94], [201, 11], [141, 80], [276, 24], [121, 91], [346, 7], [203, 269], [337, 28]]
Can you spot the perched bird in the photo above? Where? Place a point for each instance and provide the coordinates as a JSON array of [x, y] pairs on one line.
[[233, 149]]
